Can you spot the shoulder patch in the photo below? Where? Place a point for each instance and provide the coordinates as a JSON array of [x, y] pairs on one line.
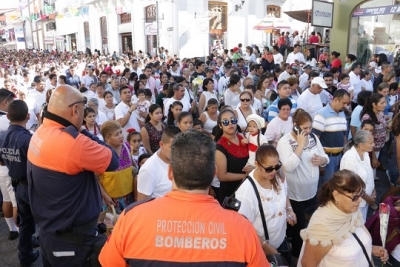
[[71, 130], [131, 206]]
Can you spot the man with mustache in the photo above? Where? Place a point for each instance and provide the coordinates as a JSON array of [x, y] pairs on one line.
[[330, 126]]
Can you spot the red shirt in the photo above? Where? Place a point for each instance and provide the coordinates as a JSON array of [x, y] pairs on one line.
[[314, 39]]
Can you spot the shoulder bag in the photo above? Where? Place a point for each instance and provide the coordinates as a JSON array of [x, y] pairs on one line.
[[284, 257], [363, 249]]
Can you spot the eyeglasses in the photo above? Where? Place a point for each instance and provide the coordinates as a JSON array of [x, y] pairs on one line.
[[245, 99], [234, 121], [271, 169], [84, 101], [354, 198]]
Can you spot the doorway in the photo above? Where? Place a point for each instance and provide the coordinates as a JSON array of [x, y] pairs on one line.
[[126, 40]]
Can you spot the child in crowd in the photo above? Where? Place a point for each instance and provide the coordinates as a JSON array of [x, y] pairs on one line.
[[345, 84], [142, 107], [89, 122], [134, 139], [198, 125], [254, 137], [143, 158], [149, 96]]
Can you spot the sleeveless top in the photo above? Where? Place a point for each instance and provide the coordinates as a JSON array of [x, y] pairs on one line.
[[241, 119], [209, 124], [236, 159], [154, 136], [208, 96]]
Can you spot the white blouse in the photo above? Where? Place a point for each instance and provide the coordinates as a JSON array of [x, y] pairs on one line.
[[351, 161], [302, 177], [274, 205], [347, 254]]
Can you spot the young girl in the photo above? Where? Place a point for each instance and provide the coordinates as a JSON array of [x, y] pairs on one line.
[[109, 108], [184, 121], [142, 107], [89, 122], [345, 84], [134, 139], [254, 137], [174, 110]]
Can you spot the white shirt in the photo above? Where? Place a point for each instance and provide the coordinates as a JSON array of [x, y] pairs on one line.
[[368, 85], [39, 97], [292, 57], [101, 117], [153, 177], [33, 109], [231, 98], [277, 128], [120, 111], [301, 176], [284, 76], [274, 207], [302, 80], [278, 58], [309, 102], [356, 83], [351, 161], [185, 103], [175, 73], [88, 80], [348, 253]]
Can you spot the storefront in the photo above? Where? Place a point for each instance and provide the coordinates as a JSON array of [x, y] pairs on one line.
[[363, 27], [375, 28]]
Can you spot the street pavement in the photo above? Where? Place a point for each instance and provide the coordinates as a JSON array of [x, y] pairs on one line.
[[8, 249]]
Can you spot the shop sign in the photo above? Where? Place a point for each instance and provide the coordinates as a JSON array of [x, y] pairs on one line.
[[322, 14], [377, 11], [150, 29]]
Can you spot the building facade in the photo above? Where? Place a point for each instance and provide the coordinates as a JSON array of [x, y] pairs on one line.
[[184, 27]]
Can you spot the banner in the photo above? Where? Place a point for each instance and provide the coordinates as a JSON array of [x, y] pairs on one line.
[[322, 14], [377, 11]]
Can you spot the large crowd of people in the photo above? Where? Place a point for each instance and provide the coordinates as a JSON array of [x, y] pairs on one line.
[[296, 139]]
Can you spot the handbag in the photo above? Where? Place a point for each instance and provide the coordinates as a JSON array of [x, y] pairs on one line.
[[284, 258]]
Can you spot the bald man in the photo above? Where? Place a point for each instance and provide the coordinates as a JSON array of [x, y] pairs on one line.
[[64, 193]]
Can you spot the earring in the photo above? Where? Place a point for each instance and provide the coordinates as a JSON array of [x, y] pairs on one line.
[[336, 202]]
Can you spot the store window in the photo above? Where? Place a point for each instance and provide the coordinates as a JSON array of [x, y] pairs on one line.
[[374, 29]]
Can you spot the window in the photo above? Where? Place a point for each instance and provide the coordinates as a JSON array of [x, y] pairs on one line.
[[125, 18], [274, 11]]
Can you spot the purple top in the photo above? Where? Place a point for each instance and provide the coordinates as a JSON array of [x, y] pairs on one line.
[[125, 157]]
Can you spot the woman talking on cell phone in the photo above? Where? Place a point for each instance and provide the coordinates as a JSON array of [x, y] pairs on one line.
[[301, 154]]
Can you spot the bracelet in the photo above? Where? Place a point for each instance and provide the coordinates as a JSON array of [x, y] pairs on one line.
[[265, 242], [289, 208]]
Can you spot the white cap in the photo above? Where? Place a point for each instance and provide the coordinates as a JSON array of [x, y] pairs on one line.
[[257, 119], [320, 81]]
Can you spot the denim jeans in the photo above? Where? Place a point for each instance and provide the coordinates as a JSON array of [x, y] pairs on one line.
[[330, 169]]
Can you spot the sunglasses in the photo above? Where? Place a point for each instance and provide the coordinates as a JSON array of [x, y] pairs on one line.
[[245, 99], [234, 121], [84, 101], [356, 197], [271, 169]]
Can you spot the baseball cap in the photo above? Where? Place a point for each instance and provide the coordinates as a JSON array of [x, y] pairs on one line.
[[4, 93], [320, 81], [307, 67], [294, 66], [90, 66], [235, 49]]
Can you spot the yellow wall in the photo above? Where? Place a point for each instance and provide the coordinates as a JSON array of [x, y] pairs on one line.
[[341, 25]]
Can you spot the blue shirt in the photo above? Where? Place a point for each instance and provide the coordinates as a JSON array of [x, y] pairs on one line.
[[331, 128], [387, 108], [14, 145], [273, 109]]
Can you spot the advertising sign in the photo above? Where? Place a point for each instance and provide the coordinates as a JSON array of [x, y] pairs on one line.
[[322, 14]]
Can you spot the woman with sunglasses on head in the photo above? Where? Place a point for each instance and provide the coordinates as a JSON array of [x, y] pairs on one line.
[[231, 155], [272, 188], [301, 154], [244, 109], [336, 235], [356, 159]]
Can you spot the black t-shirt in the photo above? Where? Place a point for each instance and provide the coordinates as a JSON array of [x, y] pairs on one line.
[[196, 74]]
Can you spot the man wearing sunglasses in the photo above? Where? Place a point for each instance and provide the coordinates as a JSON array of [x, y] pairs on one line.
[[63, 190]]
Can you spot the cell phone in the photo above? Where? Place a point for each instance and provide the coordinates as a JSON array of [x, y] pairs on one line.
[[297, 130]]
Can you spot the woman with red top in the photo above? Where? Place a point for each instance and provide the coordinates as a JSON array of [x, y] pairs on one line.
[[231, 155], [335, 60]]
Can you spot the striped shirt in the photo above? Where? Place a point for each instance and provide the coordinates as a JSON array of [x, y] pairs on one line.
[[331, 128], [273, 109]]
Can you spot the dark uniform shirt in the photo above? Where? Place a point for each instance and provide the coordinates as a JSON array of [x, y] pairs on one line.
[[14, 149]]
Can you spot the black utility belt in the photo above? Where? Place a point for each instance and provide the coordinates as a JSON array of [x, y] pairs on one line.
[[16, 182]]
